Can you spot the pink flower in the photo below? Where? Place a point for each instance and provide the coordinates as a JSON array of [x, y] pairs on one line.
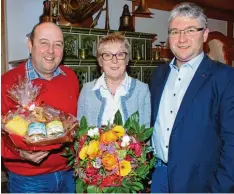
[[136, 147]]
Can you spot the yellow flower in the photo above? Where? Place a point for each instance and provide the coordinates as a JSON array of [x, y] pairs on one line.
[[83, 152], [108, 137], [119, 130], [93, 149], [109, 161], [125, 168]]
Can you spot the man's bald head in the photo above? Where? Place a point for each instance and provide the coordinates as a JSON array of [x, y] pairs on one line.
[[43, 25]]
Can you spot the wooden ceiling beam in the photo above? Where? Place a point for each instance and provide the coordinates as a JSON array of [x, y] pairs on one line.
[[213, 13]]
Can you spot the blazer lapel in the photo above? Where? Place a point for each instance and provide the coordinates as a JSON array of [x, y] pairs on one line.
[[157, 91], [202, 73]]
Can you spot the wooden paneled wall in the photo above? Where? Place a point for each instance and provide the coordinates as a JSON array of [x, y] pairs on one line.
[[3, 38]]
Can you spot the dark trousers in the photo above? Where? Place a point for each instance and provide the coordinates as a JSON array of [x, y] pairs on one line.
[[159, 178]]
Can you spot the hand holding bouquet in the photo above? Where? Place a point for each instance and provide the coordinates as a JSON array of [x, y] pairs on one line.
[[111, 158]]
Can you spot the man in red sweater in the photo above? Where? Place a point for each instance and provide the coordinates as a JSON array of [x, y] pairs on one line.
[[41, 171]]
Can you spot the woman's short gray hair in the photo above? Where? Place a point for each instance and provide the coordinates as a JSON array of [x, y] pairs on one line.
[[190, 10]]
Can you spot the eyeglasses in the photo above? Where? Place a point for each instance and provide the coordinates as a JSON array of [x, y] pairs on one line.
[[109, 56], [187, 32]]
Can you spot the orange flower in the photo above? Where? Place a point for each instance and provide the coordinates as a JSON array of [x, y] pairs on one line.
[[109, 161], [93, 149], [108, 137]]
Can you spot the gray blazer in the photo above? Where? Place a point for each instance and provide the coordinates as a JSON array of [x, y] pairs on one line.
[[92, 105]]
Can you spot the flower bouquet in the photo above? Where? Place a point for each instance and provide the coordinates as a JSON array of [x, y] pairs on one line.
[[34, 125], [112, 158]]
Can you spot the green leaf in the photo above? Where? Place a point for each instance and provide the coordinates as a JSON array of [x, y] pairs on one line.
[[66, 154], [125, 183], [152, 161], [68, 149], [130, 131], [142, 171], [135, 126], [83, 123], [79, 186], [71, 157], [145, 135], [140, 137], [76, 145], [133, 117], [109, 190], [143, 156], [125, 190], [83, 128], [91, 189], [134, 186], [70, 163], [118, 118], [119, 190], [142, 129], [137, 186], [148, 132]]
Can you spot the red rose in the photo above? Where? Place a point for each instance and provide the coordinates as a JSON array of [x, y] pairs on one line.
[[91, 171], [128, 158], [95, 179], [113, 180]]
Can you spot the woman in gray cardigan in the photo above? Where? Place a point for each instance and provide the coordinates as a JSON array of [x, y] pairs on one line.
[[100, 99]]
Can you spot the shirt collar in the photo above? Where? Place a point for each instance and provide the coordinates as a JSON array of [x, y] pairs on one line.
[[32, 74], [193, 63], [101, 83]]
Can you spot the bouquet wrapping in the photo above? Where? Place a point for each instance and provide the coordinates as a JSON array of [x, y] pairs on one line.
[[34, 125], [113, 158]]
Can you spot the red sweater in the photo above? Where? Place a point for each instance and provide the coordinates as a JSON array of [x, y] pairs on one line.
[[61, 93]]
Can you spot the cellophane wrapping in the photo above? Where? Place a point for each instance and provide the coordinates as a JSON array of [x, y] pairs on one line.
[[30, 110]]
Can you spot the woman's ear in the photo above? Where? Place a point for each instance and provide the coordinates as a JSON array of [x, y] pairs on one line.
[[99, 61]]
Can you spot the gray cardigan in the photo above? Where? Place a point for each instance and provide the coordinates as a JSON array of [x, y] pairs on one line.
[[92, 105]]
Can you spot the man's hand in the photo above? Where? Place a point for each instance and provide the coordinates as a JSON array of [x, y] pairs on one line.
[[36, 157]]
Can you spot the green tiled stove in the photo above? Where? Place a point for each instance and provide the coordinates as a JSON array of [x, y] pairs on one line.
[[80, 52]]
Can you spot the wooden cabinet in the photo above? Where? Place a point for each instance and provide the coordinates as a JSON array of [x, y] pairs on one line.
[[219, 47], [80, 52]]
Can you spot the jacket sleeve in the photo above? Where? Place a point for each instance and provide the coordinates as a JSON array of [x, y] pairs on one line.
[[81, 103], [146, 110], [223, 181]]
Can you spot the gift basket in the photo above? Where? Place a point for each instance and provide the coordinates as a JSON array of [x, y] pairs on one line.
[[35, 126]]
